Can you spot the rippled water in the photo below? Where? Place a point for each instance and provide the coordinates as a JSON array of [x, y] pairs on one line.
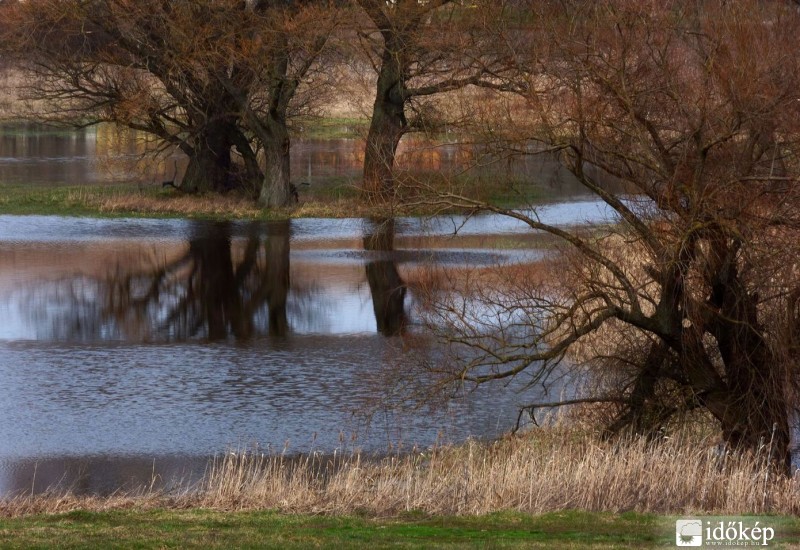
[[132, 346], [135, 347]]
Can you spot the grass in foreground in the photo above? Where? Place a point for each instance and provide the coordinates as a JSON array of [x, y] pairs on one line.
[[521, 491], [199, 528], [212, 529]]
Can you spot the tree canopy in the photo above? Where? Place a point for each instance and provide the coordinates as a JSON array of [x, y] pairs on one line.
[[210, 78], [690, 301]]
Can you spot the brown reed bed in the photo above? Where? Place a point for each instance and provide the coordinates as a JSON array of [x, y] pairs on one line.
[[546, 470]]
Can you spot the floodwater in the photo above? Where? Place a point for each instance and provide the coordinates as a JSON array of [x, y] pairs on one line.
[[131, 346], [134, 348], [37, 155]]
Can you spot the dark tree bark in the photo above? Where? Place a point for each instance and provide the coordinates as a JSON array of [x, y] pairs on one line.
[[209, 167], [758, 413], [276, 186], [276, 276], [387, 287], [387, 126], [412, 61]]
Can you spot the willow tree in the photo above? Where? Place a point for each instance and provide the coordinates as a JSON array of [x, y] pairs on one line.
[[196, 75], [419, 50], [286, 77], [692, 300]]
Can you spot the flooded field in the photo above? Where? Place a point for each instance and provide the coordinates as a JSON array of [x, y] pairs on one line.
[[134, 349], [131, 347]]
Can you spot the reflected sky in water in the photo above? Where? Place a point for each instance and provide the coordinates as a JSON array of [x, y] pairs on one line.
[[133, 347], [133, 339]]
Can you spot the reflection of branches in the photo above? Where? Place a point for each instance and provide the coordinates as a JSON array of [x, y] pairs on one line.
[[213, 290]]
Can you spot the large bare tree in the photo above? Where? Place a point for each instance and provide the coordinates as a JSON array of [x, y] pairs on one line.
[[419, 50], [213, 79], [689, 301]]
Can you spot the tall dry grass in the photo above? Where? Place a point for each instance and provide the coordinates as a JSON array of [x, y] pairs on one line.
[[547, 470]]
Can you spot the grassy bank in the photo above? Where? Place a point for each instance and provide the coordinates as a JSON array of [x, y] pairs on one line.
[[212, 529], [329, 127], [148, 201], [337, 197], [555, 487]]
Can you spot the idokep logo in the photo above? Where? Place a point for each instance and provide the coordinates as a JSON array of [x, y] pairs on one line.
[[689, 532], [716, 531]]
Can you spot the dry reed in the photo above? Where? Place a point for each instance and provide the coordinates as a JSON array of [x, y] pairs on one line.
[[223, 206], [546, 470]]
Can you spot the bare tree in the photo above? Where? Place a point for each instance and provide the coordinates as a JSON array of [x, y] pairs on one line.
[[209, 78], [281, 56], [690, 301], [418, 50]]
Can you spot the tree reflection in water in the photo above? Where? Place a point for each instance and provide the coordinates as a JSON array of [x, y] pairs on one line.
[[387, 287], [227, 280], [215, 290]]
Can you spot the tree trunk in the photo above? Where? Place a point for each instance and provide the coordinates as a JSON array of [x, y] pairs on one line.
[[754, 411], [276, 189], [210, 166], [758, 410], [387, 126]]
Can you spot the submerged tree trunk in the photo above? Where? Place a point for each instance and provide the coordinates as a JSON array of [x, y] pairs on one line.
[[386, 128]]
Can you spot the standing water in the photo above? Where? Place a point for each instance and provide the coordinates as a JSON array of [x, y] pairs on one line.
[[134, 348]]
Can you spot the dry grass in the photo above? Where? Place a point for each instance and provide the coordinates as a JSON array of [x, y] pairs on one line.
[[125, 200], [232, 206], [547, 470], [180, 205]]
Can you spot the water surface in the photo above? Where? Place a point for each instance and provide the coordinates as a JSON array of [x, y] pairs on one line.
[[32, 154], [134, 347]]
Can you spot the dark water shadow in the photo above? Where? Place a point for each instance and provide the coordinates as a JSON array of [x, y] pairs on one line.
[[387, 287]]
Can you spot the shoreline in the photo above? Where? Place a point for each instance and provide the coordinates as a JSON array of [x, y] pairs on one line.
[[542, 470], [554, 486]]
